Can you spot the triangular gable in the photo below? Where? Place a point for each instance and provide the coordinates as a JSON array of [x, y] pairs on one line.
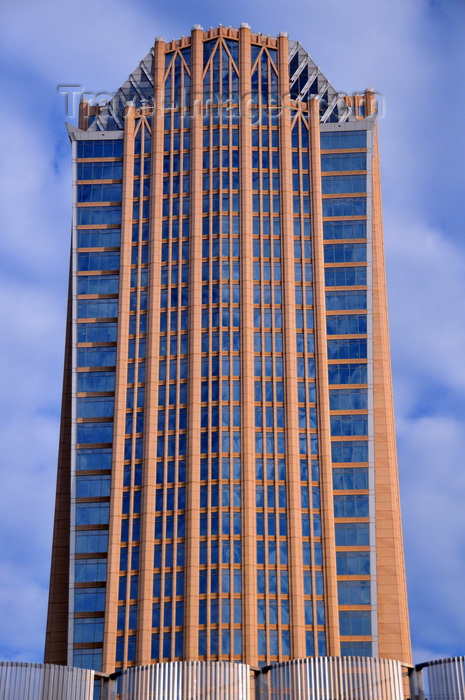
[[306, 81], [138, 87]]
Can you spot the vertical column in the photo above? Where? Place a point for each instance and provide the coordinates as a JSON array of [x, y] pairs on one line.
[[249, 584], [294, 513], [85, 112], [119, 425], [393, 625], [370, 107], [144, 632], [83, 119], [58, 603], [191, 614], [321, 353]]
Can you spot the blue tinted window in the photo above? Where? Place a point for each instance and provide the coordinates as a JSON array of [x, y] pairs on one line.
[[346, 324], [88, 630], [88, 658], [95, 407], [97, 284], [99, 193], [351, 506], [353, 563], [89, 599], [88, 458], [356, 649], [97, 332], [345, 252], [356, 451], [335, 184], [352, 348], [96, 357], [355, 623], [354, 592], [99, 238], [93, 486], [344, 229], [100, 149], [349, 425], [97, 261], [345, 276], [350, 478], [155, 646], [346, 399], [352, 534], [97, 308], [338, 140], [95, 381], [343, 161], [309, 644], [208, 47], [349, 206], [94, 432], [100, 171], [347, 374], [98, 216], [92, 513], [90, 570], [346, 300]]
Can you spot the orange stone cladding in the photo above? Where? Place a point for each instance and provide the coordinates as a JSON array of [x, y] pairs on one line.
[[391, 601]]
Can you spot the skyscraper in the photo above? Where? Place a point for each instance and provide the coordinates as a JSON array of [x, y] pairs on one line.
[[227, 478]]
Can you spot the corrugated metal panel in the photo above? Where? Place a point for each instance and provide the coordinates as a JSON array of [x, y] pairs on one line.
[[187, 680], [445, 679], [20, 681], [332, 678]]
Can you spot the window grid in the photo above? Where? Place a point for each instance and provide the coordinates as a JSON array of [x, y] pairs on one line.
[[100, 250], [344, 263]]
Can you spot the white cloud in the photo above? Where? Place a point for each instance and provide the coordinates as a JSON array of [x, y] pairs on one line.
[[433, 483], [427, 295], [32, 322], [426, 286], [75, 41], [34, 201], [22, 612]]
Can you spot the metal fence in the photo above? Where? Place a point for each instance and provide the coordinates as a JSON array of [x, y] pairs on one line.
[[443, 679], [332, 678], [322, 678], [21, 681], [188, 680]]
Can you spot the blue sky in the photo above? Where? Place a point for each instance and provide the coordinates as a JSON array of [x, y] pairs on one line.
[[412, 52]]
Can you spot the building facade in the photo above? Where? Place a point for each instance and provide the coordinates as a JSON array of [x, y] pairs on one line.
[[227, 480]]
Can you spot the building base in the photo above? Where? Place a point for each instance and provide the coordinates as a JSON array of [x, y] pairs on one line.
[[325, 678]]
